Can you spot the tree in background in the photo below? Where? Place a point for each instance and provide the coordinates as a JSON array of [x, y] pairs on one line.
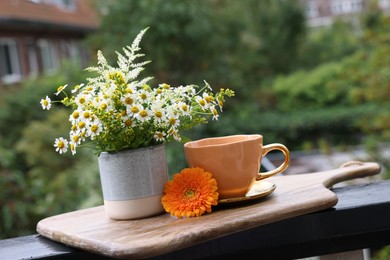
[[230, 43]]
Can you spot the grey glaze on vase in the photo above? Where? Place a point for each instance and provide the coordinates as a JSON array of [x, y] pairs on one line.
[[133, 174]]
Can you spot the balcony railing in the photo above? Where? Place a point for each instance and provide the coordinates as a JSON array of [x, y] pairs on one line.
[[360, 220]]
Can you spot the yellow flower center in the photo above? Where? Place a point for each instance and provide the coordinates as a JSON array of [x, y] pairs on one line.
[[209, 99], [158, 114], [76, 138], [143, 96], [123, 113], [129, 101], [134, 109], [45, 103], [60, 88], [215, 112], [94, 128], [75, 114], [202, 102], [128, 122], [172, 121], [87, 114], [128, 90], [190, 194], [143, 113], [184, 107], [60, 144], [81, 125], [82, 100], [103, 106]]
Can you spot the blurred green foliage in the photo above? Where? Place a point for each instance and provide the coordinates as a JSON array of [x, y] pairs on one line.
[[35, 182], [316, 88]]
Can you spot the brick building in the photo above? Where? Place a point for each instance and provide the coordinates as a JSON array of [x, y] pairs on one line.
[[36, 35], [323, 12]]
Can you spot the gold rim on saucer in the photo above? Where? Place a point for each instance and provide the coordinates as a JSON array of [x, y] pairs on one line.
[[258, 190]]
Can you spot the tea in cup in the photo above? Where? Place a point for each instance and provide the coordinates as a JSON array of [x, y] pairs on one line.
[[234, 161]]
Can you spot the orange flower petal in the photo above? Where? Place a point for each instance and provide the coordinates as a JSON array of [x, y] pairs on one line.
[[190, 193]]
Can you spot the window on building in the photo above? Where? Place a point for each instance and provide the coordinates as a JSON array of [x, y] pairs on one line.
[[312, 10], [32, 59], [66, 4], [346, 6], [9, 61], [48, 56]]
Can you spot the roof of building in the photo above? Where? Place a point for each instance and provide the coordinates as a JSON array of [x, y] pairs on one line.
[[73, 14]]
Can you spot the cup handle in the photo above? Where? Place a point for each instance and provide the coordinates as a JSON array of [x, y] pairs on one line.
[[270, 147]]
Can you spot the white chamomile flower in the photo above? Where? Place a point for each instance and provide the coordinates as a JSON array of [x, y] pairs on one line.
[[82, 100], [77, 87], [143, 115], [61, 145], [94, 130], [160, 136], [73, 146], [75, 138], [173, 132], [208, 98], [75, 117], [184, 108], [134, 110], [127, 99], [164, 86], [87, 116], [158, 112], [214, 112], [60, 89], [173, 119], [46, 103], [203, 104]]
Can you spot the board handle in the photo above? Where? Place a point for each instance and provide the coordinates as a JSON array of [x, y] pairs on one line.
[[352, 170]]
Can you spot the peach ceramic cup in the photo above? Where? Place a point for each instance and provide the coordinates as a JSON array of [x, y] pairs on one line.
[[234, 161]]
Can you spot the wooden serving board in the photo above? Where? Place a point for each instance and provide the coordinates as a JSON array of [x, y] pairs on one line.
[[91, 230]]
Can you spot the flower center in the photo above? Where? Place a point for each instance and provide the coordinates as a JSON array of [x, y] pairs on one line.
[[75, 114], [45, 103], [94, 128], [143, 113], [129, 101], [128, 122], [172, 121], [209, 99], [81, 124], [190, 194], [76, 138], [143, 96], [202, 102], [87, 115], [60, 144], [103, 106], [184, 107], [134, 109], [158, 114], [82, 100]]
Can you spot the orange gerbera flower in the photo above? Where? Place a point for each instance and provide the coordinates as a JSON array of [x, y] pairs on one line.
[[191, 193]]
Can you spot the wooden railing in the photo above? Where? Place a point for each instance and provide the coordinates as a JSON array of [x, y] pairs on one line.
[[360, 220]]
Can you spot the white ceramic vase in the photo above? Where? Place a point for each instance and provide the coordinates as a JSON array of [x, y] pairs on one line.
[[133, 182]]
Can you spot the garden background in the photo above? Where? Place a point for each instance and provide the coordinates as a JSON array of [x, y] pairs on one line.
[[325, 89]]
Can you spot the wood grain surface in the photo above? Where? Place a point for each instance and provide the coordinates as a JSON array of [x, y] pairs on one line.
[[91, 230]]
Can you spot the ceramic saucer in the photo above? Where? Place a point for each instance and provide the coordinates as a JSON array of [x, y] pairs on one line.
[[258, 190]]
